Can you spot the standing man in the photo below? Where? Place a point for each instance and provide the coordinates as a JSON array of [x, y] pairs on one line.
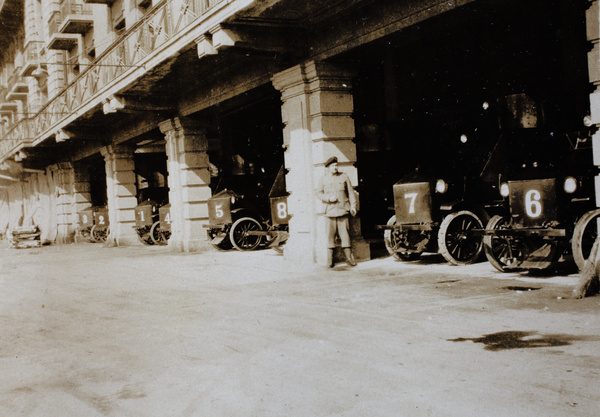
[[335, 190]]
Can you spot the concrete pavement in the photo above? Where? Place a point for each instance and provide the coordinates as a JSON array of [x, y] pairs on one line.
[[141, 331]]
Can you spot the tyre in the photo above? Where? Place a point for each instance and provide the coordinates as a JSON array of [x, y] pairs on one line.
[[584, 236], [239, 234], [158, 236], [456, 243], [500, 251], [99, 235], [396, 242]]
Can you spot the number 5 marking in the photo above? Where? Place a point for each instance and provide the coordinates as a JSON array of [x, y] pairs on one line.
[[413, 197], [219, 210], [533, 207]]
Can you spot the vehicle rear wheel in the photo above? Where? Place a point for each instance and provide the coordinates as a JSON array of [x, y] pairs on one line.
[[240, 236], [158, 236], [456, 242], [584, 236], [396, 243], [500, 251]]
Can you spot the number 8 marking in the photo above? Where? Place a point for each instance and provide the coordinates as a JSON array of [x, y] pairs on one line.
[[281, 210], [413, 197], [533, 207]]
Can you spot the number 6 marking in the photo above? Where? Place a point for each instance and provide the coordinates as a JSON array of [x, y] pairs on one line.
[[413, 197], [533, 207]]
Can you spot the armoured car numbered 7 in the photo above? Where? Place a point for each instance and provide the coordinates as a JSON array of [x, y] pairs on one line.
[[439, 206]]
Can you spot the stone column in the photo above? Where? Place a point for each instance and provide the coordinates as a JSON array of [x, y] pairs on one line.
[[81, 188], [65, 179], [121, 192], [593, 35], [317, 115], [82, 196], [189, 180]]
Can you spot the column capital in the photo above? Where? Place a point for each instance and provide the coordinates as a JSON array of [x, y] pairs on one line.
[[333, 76], [187, 125], [64, 165], [116, 150]]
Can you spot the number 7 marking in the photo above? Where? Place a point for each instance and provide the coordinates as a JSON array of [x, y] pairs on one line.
[[413, 197]]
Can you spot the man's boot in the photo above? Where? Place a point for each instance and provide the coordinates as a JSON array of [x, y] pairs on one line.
[[349, 257], [330, 263]]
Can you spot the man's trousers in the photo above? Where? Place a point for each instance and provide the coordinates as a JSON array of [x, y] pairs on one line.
[[341, 226]]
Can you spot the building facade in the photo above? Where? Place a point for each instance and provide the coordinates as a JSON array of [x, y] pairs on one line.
[[103, 99]]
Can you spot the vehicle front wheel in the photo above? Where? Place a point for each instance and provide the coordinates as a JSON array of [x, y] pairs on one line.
[[99, 234], [456, 242], [502, 252], [584, 236], [158, 236], [241, 236], [396, 243]]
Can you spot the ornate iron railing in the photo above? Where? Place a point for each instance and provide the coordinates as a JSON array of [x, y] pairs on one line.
[[159, 25]]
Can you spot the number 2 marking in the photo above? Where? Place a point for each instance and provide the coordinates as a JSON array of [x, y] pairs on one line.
[[533, 207], [413, 197]]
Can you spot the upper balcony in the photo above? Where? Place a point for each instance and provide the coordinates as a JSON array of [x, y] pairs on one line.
[[161, 32], [33, 58], [17, 87], [74, 18]]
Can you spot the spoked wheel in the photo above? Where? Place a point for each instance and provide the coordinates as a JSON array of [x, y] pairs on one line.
[[398, 242], [456, 242], [99, 235], [158, 236], [502, 252], [143, 234], [240, 236], [584, 236]]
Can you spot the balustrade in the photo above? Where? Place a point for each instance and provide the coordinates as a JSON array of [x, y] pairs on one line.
[[33, 57], [146, 36]]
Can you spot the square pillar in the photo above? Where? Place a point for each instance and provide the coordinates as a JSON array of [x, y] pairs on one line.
[[121, 193], [66, 222], [593, 36], [189, 180], [82, 195], [317, 115]]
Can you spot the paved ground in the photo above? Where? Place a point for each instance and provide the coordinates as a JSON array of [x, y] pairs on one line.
[[94, 331]]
